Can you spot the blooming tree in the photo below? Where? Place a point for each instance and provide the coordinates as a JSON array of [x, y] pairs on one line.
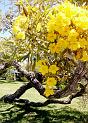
[[57, 36]]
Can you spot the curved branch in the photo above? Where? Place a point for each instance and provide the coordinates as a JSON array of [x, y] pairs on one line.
[[19, 92], [31, 77], [73, 81], [27, 103], [70, 88]]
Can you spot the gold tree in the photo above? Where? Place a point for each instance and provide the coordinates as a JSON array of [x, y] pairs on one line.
[[57, 35]]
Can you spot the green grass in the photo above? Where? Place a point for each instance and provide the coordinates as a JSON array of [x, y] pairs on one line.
[[76, 112]]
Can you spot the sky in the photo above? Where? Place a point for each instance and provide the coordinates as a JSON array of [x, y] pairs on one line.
[[4, 5]]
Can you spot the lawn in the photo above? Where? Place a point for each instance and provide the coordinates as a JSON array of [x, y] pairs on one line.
[[76, 112]]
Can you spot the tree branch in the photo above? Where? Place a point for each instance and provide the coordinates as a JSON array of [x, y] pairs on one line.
[[19, 92], [3, 67], [27, 103], [73, 81], [31, 77], [70, 88]]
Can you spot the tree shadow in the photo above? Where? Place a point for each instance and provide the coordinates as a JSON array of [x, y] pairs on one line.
[[11, 82], [63, 115], [37, 115]]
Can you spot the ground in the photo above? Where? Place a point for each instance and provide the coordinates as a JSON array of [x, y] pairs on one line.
[[76, 112]]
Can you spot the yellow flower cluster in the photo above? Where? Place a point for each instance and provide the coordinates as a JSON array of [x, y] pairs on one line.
[[50, 83], [68, 28], [53, 69], [59, 46], [20, 25], [49, 91], [44, 69]]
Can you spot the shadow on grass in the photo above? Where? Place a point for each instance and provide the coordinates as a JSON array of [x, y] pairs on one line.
[[36, 115]]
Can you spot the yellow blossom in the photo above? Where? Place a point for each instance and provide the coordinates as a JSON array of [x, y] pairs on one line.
[[41, 62], [68, 21], [51, 81], [83, 42], [61, 45], [20, 35], [52, 47], [72, 34], [38, 28], [20, 25], [53, 69], [48, 91], [81, 22], [21, 21], [85, 56], [74, 45], [51, 37], [43, 69], [16, 29]]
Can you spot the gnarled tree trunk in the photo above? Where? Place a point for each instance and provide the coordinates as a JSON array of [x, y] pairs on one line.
[[70, 89]]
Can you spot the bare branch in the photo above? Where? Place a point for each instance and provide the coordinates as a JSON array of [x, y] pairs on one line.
[[31, 77], [19, 92], [27, 103]]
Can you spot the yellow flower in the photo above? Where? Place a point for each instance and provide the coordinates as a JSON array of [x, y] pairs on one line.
[[20, 35], [63, 31], [83, 42], [51, 81], [69, 9], [61, 45], [43, 69], [53, 69], [38, 28], [81, 22], [20, 25], [74, 45], [62, 20], [48, 91], [51, 37], [85, 56], [41, 62], [21, 21], [51, 22], [52, 47], [16, 29], [73, 34]]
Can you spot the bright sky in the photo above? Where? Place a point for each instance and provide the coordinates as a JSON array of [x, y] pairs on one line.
[[4, 5]]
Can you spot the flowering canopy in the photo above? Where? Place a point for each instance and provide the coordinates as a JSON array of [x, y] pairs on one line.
[[65, 29]]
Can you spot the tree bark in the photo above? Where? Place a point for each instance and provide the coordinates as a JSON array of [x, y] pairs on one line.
[[3, 68], [26, 103], [73, 81], [31, 77], [19, 92]]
